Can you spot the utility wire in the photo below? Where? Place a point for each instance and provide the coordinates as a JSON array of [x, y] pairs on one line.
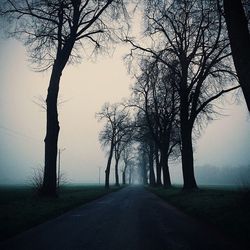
[[17, 133]]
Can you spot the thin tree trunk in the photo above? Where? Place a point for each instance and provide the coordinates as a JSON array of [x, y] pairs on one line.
[[107, 171], [124, 174], [158, 168], [144, 169], [187, 159], [165, 169], [130, 175], [240, 43], [52, 131], [117, 171], [123, 178], [151, 166]]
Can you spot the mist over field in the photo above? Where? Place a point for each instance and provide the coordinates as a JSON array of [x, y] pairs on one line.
[[124, 124], [223, 145]]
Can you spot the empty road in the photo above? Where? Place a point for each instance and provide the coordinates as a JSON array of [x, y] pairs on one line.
[[130, 219]]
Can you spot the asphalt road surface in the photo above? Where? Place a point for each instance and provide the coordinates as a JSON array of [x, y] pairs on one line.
[[129, 219]]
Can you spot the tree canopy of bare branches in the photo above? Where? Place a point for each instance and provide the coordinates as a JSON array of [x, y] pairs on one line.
[[156, 98], [117, 132], [189, 38], [52, 31], [50, 28]]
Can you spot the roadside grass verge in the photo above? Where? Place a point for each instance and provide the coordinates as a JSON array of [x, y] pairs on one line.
[[228, 210], [21, 209]]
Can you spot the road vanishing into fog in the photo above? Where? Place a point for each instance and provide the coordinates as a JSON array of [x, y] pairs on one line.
[[129, 219]]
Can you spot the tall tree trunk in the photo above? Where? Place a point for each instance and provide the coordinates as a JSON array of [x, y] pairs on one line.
[[107, 171], [144, 169], [117, 171], [130, 175], [165, 168], [158, 167], [52, 131], [124, 174], [187, 158], [240, 43], [52, 126], [151, 166]]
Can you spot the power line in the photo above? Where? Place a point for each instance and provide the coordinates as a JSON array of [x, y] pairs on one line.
[[17, 133]]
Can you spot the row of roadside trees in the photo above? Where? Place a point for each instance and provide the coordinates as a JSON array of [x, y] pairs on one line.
[[185, 64], [185, 60]]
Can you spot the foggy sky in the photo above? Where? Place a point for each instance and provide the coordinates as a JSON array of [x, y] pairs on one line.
[[84, 88]]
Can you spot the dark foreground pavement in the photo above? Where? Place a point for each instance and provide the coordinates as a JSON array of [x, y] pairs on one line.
[[130, 219]]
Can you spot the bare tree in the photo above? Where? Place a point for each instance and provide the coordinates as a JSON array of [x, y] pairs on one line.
[[237, 25], [192, 35], [146, 153], [123, 139], [118, 151], [155, 95], [158, 166], [152, 180], [52, 31], [116, 129], [127, 156], [132, 172], [143, 164]]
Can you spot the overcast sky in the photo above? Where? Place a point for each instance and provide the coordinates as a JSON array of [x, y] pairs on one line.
[[84, 88]]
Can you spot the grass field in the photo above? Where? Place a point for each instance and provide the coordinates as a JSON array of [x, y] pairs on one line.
[[228, 210], [21, 209]]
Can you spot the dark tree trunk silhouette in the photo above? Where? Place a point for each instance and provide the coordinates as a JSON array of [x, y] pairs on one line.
[[165, 168], [127, 156], [52, 132], [130, 175], [124, 174], [158, 168], [239, 36], [189, 181], [151, 165], [117, 158], [52, 124], [144, 168], [165, 150], [107, 171]]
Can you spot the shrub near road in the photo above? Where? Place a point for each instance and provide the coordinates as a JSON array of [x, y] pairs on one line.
[[20, 209], [228, 210]]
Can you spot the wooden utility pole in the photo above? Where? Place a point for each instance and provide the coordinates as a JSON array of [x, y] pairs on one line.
[[59, 165], [99, 175]]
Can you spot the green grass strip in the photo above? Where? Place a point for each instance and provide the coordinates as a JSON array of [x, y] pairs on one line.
[[21, 209], [228, 210]]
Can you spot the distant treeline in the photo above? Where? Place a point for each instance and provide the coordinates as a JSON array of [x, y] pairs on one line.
[[216, 175]]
